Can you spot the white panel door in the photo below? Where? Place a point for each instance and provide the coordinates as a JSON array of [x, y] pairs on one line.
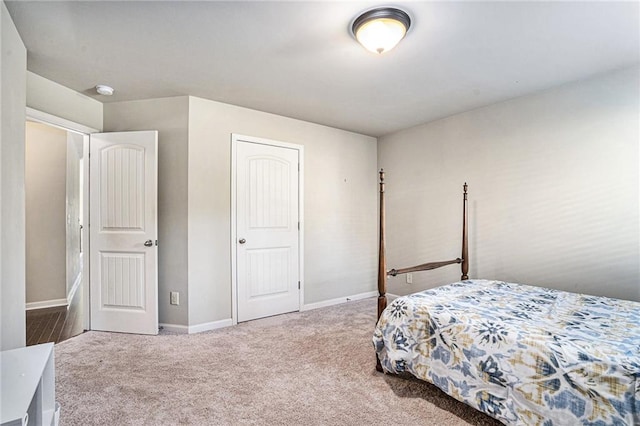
[[123, 232], [267, 246]]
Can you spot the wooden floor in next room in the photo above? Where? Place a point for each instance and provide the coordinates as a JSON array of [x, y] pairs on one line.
[[55, 324]]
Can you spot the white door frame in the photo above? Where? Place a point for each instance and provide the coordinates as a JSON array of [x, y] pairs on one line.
[[235, 138], [71, 126]]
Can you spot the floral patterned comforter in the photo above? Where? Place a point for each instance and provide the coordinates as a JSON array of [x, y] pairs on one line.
[[522, 354]]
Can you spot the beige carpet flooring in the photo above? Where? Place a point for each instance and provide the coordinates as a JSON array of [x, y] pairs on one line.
[[310, 368]]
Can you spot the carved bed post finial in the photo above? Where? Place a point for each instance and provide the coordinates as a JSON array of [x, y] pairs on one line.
[[465, 245]]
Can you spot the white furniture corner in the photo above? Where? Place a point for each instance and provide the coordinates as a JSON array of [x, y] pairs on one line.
[[28, 386]]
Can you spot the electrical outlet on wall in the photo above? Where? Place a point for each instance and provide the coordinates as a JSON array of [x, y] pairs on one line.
[[174, 298], [409, 278]]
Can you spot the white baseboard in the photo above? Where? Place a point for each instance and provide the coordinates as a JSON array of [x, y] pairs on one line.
[[391, 296], [207, 326], [198, 328], [337, 301], [54, 303]]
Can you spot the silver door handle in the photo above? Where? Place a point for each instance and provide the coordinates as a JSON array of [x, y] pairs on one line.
[[242, 241], [148, 243]]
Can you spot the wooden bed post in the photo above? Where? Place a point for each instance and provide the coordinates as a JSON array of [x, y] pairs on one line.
[[382, 261], [465, 245], [463, 260]]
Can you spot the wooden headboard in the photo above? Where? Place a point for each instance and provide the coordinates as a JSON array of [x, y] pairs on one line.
[[382, 260]]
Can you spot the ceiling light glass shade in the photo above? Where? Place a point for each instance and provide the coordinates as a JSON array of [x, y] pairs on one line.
[[380, 30]]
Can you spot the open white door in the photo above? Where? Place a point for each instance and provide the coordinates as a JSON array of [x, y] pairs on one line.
[[267, 229], [123, 232]]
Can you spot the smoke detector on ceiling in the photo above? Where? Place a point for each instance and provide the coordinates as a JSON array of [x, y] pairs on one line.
[[104, 90]]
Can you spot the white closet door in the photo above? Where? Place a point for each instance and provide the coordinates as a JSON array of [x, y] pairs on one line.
[[267, 246]]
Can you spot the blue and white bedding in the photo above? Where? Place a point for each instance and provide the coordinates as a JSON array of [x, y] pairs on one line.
[[522, 354]]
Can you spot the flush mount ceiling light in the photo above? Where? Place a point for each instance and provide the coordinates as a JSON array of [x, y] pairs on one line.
[[104, 90], [380, 30]]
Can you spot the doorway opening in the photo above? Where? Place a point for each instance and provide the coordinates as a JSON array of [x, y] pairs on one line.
[[109, 270], [56, 189]]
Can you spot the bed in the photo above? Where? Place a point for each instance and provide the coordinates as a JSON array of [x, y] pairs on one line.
[[521, 354]]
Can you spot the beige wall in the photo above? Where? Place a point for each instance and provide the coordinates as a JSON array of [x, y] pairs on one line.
[[13, 65], [45, 187], [553, 190], [48, 96], [339, 205], [194, 208], [170, 117]]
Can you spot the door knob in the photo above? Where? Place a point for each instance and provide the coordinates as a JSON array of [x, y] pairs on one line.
[[242, 241], [148, 243]]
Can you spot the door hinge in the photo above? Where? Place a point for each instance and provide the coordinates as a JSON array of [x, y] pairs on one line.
[[298, 285], [298, 226]]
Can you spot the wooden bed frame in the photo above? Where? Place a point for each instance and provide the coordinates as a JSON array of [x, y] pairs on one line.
[[516, 364], [382, 260]]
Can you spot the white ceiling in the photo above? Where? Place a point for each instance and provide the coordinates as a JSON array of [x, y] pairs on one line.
[[298, 59]]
